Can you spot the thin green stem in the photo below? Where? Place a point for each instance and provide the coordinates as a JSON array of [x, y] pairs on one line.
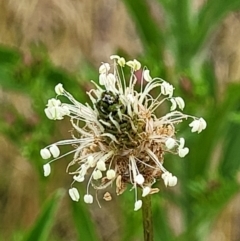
[[147, 218]]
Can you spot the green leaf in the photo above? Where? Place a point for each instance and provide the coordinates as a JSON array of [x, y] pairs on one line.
[[208, 204], [162, 229], [209, 16], [41, 229], [147, 27], [230, 163], [8, 56], [83, 223]]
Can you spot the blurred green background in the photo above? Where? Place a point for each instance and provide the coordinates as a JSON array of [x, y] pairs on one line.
[[193, 44]]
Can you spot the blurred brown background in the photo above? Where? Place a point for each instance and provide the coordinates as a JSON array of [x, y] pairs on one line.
[[73, 31]]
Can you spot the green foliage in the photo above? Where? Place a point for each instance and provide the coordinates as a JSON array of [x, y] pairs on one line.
[[185, 34], [42, 227], [204, 190], [85, 226]]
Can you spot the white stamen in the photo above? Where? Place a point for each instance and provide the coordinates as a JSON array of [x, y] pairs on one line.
[[170, 143], [139, 179], [174, 104], [78, 178], [97, 174], [54, 150], [101, 165], [166, 89], [45, 153], [169, 179], [91, 161], [198, 125], [59, 89], [111, 174], [74, 194], [134, 64], [137, 205], [88, 198], [180, 102], [146, 75], [104, 68], [146, 191], [182, 152], [47, 169]]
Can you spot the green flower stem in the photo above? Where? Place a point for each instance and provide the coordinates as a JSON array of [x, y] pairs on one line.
[[147, 218]]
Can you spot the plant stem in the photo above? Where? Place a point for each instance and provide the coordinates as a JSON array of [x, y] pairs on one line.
[[147, 218]]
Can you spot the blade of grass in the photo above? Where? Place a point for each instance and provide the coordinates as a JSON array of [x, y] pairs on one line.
[[83, 223], [41, 229], [209, 16], [147, 27]]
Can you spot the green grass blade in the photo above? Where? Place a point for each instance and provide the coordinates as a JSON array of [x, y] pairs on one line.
[[162, 229], [147, 27], [41, 229], [209, 16], [207, 205], [83, 223]]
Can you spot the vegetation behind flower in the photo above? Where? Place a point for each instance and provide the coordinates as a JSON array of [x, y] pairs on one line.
[[173, 40]]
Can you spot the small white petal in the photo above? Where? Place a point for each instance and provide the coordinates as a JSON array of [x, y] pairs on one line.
[[111, 78], [59, 89], [65, 110], [103, 79], [111, 174], [174, 104], [97, 174], [137, 205], [101, 165], [55, 112], [83, 170], [104, 68], [54, 150], [172, 181], [130, 98], [198, 125], [139, 179], [74, 194], [180, 102], [49, 113], [146, 75], [182, 152], [165, 175], [203, 124], [114, 56], [137, 64], [170, 143], [121, 61], [88, 198], [53, 102], [166, 180], [78, 178], [60, 112], [146, 191], [182, 143], [47, 169], [134, 64], [169, 179], [195, 125], [166, 89], [45, 153], [91, 161]]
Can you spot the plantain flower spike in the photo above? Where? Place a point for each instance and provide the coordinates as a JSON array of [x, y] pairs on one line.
[[119, 138]]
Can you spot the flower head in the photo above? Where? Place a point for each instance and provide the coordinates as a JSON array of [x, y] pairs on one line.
[[198, 125], [119, 137]]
